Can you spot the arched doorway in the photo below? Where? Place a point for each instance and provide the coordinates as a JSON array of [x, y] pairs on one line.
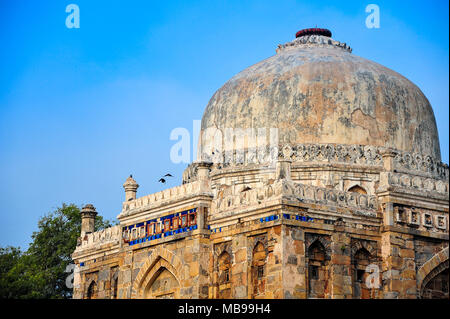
[[317, 270], [258, 271], [163, 285], [92, 290], [158, 278], [437, 287], [433, 277], [224, 276], [361, 260]]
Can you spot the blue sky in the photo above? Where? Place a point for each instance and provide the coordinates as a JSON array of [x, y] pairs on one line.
[[81, 109]]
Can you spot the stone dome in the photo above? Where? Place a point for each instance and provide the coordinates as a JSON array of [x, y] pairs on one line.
[[314, 90]]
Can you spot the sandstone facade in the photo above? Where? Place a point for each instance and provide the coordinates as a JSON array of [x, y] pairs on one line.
[[359, 209]]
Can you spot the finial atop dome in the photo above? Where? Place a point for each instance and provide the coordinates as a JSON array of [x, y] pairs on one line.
[[314, 37], [313, 31]]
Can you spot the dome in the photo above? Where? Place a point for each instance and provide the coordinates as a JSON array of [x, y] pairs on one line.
[[314, 90]]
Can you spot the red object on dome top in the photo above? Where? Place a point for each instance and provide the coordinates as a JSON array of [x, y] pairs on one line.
[[311, 31]]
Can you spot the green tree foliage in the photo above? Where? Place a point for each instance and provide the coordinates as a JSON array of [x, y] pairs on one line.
[[40, 272]]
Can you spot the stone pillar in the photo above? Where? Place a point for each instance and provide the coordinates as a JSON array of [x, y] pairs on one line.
[[388, 214], [88, 214], [239, 266], [388, 156], [125, 276], [398, 266], [283, 169], [340, 276], [275, 276], [77, 287], [203, 170], [202, 215], [202, 279], [294, 263], [130, 187]]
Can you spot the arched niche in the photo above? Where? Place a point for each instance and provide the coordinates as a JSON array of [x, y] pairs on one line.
[[317, 260], [258, 271], [224, 276], [357, 189]]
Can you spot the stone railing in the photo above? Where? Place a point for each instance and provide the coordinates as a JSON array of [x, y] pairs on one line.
[[111, 235], [329, 196], [421, 164], [284, 189], [414, 182], [165, 196], [250, 197], [369, 155], [336, 153], [300, 153]]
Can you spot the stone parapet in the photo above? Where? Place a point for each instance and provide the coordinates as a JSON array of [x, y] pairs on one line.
[[427, 186], [165, 197], [283, 189], [417, 164], [108, 236]]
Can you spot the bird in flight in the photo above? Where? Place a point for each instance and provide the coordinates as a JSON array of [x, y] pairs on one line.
[[162, 180], [168, 174]]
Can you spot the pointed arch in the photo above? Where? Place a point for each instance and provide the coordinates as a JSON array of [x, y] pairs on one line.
[[224, 265], [357, 189], [317, 260], [361, 258], [437, 265], [92, 290], [224, 275], [161, 261], [258, 270]]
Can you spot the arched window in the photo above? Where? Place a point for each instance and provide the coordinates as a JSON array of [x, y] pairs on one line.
[[224, 276], [357, 189], [258, 272], [317, 270], [92, 291], [361, 260]]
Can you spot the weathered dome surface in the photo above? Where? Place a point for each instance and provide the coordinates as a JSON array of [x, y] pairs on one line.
[[315, 91]]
